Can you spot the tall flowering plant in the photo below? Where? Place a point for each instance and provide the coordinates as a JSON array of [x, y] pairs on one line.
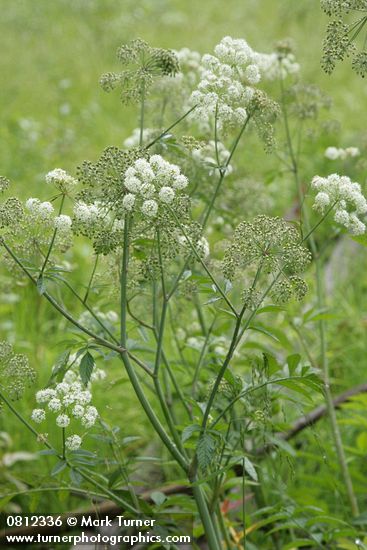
[[187, 249]]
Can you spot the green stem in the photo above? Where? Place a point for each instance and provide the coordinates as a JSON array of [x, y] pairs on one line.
[[63, 444], [222, 172], [159, 429], [142, 109], [205, 516], [321, 323], [170, 127], [91, 280], [235, 340], [52, 241]]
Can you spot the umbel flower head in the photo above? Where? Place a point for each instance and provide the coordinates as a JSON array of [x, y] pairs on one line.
[[148, 189], [60, 179], [275, 247], [342, 34], [227, 83], [343, 195], [68, 400], [142, 64], [151, 184], [278, 64], [15, 372]]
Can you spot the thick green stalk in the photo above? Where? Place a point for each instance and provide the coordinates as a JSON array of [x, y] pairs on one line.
[[210, 531], [159, 429]]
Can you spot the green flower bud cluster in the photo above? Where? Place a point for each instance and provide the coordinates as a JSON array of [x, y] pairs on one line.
[[11, 211], [4, 184], [307, 100], [15, 372], [142, 65], [275, 247], [342, 35], [264, 112]]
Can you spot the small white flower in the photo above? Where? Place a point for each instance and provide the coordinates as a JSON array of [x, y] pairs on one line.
[[342, 217], [132, 184], [62, 387], [202, 247], [128, 202], [43, 396], [45, 209], [90, 417], [38, 415], [322, 200], [352, 151], [63, 420], [166, 194], [150, 208], [84, 397], [78, 411], [73, 442], [54, 404], [332, 153], [147, 190], [63, 223], [180, 182], [61, 179]]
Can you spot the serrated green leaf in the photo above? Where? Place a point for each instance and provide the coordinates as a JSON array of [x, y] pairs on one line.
[[60, 366], [188, 431], [86, 367], [205, 450]]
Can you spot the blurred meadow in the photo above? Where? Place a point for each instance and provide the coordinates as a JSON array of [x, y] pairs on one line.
[[55, 114]]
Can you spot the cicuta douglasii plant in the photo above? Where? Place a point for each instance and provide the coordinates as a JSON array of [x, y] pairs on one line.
[[194, 270]]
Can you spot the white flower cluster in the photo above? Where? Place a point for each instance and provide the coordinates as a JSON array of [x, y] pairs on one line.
[[63, 223], [42, 213], [207, 155], [151, 183], [88, 214], [61, 179], [189, 64], [334, 153], [273, 66], [226, 85], [346, 196], [95, 215], [69, 399]]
